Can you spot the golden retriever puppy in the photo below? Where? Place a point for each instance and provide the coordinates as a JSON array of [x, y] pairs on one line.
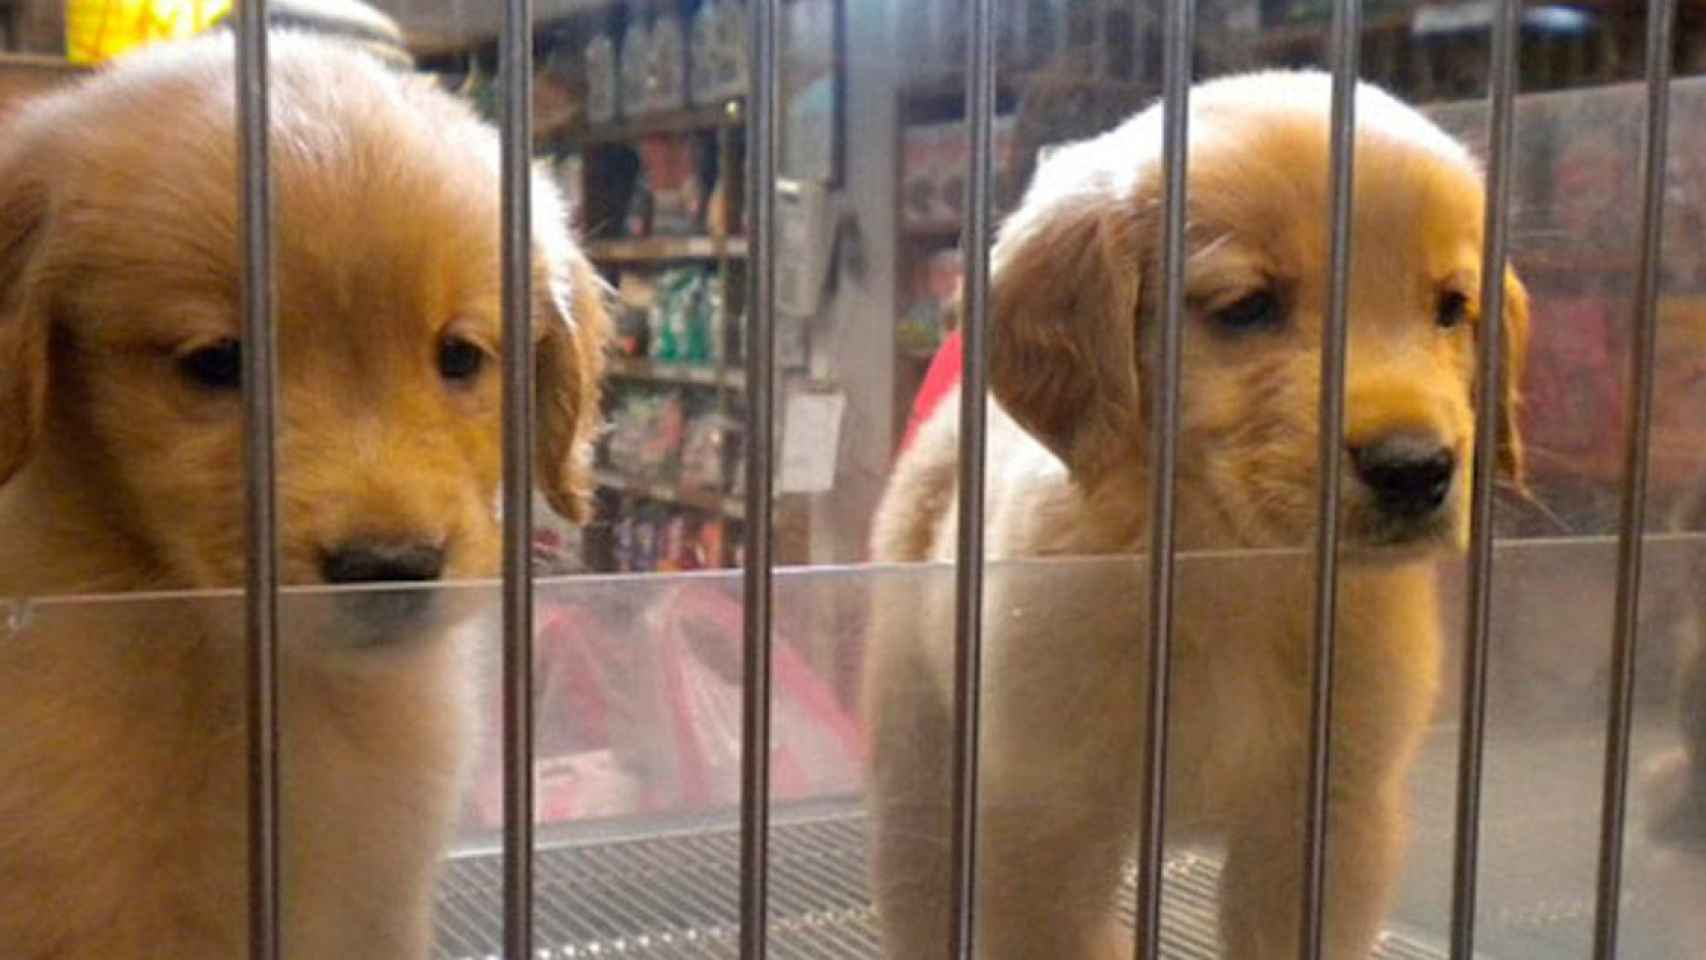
[[122, 768], [1074, 305]]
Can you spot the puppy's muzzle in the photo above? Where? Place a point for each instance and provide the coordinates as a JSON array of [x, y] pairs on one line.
[[1409, 474], [405, 565]]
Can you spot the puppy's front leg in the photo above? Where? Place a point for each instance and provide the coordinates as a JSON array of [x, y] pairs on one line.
[[1057, 810], [1261, 888], [1047, 877], [911, 827], [1049, 856]]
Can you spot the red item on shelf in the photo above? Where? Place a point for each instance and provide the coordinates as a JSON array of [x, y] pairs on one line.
[[939, 380]]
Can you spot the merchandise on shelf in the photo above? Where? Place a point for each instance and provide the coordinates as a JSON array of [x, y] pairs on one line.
[[676, 182], [703, 452], [709, 542], [644, 441], [634, 69], [683, 327], [663, 185], [932, 288], [654, 537], [701, 52], [717, 52], [934, 159], [603, 80], [666, 74]]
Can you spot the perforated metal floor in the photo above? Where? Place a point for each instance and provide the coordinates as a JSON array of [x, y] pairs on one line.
[[675, 896]]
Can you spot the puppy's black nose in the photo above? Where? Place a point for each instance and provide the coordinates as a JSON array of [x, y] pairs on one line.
[[377, 562], [1410, 474]]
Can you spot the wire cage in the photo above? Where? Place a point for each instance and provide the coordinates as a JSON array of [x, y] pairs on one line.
[[668, 885]]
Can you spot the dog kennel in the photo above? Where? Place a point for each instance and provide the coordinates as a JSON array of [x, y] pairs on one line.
[[673, 757]]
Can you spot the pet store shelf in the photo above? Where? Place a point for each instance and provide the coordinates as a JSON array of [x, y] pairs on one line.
[[728, 113], [1276, 38], [935, 232], [665, 493], [629, 368], [651, 249]]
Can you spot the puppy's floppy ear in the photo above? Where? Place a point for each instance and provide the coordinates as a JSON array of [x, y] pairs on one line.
[[1064, 302], [23, 319], [570, 371], [1510, 456]]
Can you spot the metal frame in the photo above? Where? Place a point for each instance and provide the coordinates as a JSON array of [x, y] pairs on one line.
[[1489, 374], [1179, 42], [760, 342], [259, 387], [1347, 32], [968, 564], [516, 59], [260, 397], [1661, 26]]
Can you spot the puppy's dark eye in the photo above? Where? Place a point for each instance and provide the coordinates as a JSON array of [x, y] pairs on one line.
[[1453, 308], [1255, 311], [459, 360], [217, 366]]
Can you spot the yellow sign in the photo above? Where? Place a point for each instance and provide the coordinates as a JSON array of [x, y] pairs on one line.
[[97, 30]]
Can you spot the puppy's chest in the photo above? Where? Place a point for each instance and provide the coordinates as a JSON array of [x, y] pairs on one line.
[[120, 805]]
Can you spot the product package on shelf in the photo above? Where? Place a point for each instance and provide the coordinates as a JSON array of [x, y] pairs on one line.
[[646, 430], [934, 158], [652, 538], [933, 286], [586, 696], [717, 52], [666, 81], [634, 69], [679, 180], [640, 714], [704, 452], [603, 80], [686, 318]]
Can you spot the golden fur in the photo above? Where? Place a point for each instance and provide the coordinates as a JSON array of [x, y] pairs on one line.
[[1075, 282], [122, 769]]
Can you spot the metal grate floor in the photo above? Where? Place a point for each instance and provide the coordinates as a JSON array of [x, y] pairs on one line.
[[675, 896]]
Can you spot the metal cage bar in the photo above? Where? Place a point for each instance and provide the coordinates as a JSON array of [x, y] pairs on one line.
[[1178, 44], [260, 396], [968, 557], [760, 441], [1489, 375], [1661, 26], [1346, 38], [516, 65]]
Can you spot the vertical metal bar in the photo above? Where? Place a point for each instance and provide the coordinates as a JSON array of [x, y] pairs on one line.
[[1489, 377], [261, 531], [1661, 25], [760, 440], [1179, 42], [516, 66], [968, 557], [1346, 40]]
